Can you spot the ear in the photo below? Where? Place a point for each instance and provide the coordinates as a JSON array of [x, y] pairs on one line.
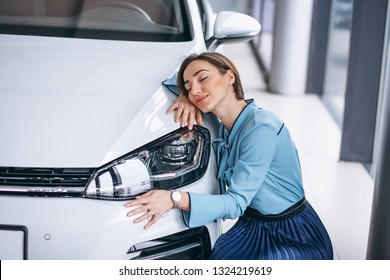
[[230, 76]]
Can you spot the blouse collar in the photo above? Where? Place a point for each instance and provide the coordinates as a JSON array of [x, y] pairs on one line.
[[229, 136]]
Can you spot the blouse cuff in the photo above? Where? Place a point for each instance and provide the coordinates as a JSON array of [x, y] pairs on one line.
[[187, 214]]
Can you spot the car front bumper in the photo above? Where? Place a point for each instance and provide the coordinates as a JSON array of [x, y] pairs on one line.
[[76, 228]]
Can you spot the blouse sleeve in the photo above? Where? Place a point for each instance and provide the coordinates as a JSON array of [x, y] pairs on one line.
[[256, 151]]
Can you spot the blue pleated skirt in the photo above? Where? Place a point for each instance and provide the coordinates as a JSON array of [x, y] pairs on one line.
[[301, 236]]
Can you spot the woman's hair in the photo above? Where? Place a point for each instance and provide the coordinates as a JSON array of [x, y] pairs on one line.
[[218, 60]]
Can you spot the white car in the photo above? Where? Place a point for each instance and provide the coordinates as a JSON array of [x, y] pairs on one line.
[[84, 126]]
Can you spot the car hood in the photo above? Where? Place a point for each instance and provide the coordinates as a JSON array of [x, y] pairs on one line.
[[80, 103]]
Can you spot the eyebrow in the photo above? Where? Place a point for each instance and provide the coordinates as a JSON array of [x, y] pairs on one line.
[[195, 74]]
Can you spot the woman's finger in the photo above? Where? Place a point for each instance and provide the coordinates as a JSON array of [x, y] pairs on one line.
[[191, 120], [139, 200], [184, 117], [149, 193], [147, 215], [179, 102], [179, 114], [151, 216], [198, 117], [172, 108], [151, 222], [138, 210]]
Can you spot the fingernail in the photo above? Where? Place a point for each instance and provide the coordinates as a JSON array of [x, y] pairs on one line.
[[129, 214]]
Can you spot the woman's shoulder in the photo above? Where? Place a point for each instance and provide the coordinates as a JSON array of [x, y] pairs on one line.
[[260, 117]]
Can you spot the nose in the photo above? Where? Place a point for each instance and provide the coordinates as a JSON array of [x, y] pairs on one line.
[[196, 89]]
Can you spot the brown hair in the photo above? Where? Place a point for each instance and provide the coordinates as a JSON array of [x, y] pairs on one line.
[[218, 60]]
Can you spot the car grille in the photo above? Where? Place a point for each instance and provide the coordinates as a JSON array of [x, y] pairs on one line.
[[44, 181]]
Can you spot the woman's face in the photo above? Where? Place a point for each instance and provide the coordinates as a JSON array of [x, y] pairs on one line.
[[205, 85]]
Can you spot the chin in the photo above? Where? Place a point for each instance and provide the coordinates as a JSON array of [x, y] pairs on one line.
[[204, 110]]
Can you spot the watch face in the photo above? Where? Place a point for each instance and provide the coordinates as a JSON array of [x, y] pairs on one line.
[[176, 196]]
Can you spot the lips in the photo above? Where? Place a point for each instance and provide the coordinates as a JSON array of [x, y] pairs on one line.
[[201, 99]]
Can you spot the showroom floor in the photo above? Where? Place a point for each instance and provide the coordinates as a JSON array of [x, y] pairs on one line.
[[341, 192]]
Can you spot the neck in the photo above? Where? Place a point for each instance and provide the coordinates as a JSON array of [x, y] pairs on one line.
[[229, 112]]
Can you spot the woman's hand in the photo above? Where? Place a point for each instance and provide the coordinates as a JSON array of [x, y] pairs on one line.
[[155, 203], [186, 112]]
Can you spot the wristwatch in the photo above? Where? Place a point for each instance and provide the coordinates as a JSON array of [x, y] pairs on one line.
[[176, 198]]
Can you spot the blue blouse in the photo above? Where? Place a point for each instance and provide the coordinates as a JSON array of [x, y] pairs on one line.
[[258, 166]]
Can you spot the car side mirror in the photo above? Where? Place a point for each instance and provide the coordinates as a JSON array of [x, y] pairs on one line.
[[232, 27]]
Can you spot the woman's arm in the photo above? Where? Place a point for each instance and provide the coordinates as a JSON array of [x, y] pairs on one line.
[[246, 176]]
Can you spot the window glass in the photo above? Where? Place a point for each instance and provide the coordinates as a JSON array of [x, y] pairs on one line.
[[337, 58], [151, 20]]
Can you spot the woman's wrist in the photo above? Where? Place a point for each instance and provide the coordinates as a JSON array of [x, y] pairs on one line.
[[184, 202], [180, 200]]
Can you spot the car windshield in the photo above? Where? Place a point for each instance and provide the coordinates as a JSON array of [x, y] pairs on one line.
[[133, 20]]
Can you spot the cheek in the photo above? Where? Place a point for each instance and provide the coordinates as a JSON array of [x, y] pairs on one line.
[[191, 98]]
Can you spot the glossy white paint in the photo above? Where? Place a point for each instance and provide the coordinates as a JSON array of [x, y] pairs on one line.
[[230, 25], [62, 98]]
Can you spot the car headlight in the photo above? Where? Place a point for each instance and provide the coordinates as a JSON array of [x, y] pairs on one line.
[[172, 161]]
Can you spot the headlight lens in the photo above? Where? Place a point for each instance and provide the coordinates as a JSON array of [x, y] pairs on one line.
[[172, 161]]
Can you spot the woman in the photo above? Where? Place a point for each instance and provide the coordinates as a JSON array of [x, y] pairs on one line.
[[257, 162]]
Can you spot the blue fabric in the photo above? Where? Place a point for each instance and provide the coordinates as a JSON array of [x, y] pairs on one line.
[[259, 166], [301, 237], [171, 83]]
